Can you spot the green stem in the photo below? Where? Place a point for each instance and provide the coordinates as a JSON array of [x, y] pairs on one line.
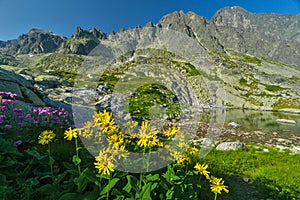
[[107, 194], [141, 179], [100, 186], [216, 194], [50, 163], [199, 184], [77, 154]]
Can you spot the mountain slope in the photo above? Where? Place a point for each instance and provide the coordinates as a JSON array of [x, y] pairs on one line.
[[238, 59]]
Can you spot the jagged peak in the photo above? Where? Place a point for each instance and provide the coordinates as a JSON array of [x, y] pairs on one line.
[[93, 32], [37, 30]]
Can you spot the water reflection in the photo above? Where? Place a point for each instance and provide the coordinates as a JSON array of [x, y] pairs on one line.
[[252, 120]]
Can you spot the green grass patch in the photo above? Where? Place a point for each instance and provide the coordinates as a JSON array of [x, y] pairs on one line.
[[286, 103], [243, 81], [152, 101], [274, 88], [275, 174]]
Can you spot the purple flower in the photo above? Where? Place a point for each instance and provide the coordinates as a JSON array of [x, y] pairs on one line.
[[17, 143], [7, 126], [3, 108], [2, 118], [8, 94], [34, 110], [28, 116], [36, 122], [20, 124], [7, 101]]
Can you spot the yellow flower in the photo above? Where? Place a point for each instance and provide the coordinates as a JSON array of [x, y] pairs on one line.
[[183, 145], [193, 150], [46, 137], [218, 185], [171, 131], [147, 136], [108, 158], [70, 133], [182, 159], [104, 120], [213, 179], [202, 169], [104, 168], [117, 140]]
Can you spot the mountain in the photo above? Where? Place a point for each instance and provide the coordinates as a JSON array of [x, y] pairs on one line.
[[237, 58], [36, 41]]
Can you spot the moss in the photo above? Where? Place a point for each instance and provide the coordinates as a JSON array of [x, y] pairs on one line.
[[109, 79], [189, 69], [286, 103], [274, 88], [245, 57], [153, 99], [243, 81]]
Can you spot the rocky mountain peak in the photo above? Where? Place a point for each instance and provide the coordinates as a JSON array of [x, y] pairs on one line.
[[36, 41], [232, 16], [90, 34]]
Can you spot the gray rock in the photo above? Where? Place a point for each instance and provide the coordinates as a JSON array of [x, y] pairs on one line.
[[48, 81], [7, 86], [295, 149], [286, 121], [32, 97], [290, 110], [226, 146], [233, 125]]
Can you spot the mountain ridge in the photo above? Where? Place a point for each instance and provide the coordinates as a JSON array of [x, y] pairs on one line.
[[255, 57], [271, 36]]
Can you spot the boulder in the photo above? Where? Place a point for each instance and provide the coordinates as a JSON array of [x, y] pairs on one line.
[[48, 81], [295, 149], [233, 125], [227, 146], [290, 110], [286, 121]]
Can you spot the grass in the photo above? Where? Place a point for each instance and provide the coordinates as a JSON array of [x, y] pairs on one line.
[[271, 174], [286, 103], [153, 100], [274, 88]]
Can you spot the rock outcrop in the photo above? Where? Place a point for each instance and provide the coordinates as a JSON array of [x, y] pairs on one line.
[[36, 41]]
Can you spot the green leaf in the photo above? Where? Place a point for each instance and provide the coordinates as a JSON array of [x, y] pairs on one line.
[[170, 175], [68, 165], [170, 193], [46, 188], [70, 196], [81, 182], [116, 192], [60, 177], [32, 181], [33, 153], [109, 186], [91, 194], [51, 161], [76, 160], [132, 182], [152, 178], [145, 192]]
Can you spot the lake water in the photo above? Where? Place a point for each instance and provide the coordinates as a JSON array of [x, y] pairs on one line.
[[252, 121]]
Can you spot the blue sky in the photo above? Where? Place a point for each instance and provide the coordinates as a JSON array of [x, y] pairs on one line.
[[62, 16]]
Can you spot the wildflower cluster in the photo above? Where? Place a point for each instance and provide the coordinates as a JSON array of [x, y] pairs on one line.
[[13, 117], [113, 144], [216, 184]]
